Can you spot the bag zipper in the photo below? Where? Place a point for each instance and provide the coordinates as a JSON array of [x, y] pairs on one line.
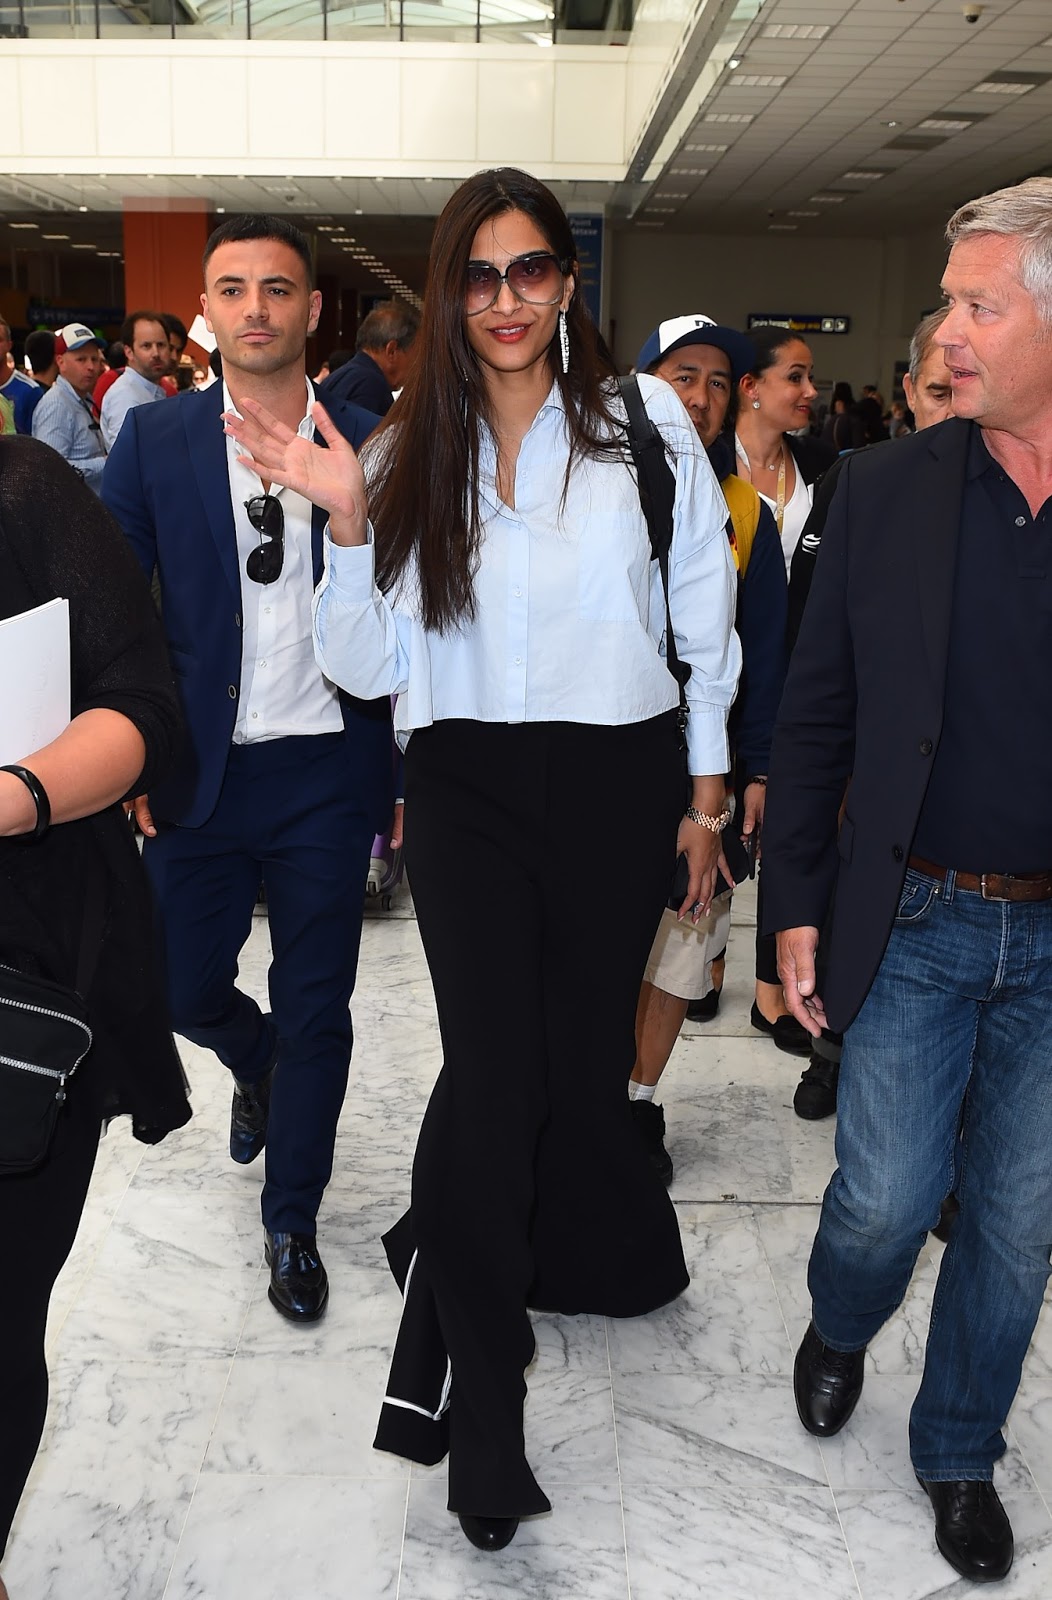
[[56, 1016]]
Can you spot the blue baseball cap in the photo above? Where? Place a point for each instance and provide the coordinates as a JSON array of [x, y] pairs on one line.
[[679, 331]]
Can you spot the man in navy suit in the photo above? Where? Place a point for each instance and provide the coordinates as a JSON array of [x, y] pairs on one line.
[[284, 780]]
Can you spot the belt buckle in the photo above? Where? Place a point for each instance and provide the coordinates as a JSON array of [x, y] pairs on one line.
[[1001, 877]]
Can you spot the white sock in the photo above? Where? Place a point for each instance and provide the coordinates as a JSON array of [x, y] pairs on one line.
[[640, 1091]]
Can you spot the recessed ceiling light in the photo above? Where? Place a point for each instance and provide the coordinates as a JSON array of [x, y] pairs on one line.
[[54, 235], [795, 30], [688, 172], [946, 124], [378, 180], [781, 227], [863, 175], [728, 116], [735, 61], [220, 211], [828, 199], [659, 211], [85, 247], [706, 149], [23, 225], [758, 80], [667, 194], [892, 124], [1012, 83], [82, 208], [805, 213], [357, 211]]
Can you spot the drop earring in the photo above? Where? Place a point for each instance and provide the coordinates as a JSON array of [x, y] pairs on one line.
[[756, 405], [564, 342]]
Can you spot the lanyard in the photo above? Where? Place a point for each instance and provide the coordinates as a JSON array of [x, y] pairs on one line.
[[779, 510]]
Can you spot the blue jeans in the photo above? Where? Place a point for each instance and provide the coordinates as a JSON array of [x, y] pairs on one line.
[[960, 1014]]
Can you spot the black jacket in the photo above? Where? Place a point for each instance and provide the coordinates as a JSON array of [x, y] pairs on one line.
[[56, 538], [864, 700]]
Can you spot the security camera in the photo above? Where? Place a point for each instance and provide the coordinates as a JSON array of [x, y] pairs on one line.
[[972, 14]]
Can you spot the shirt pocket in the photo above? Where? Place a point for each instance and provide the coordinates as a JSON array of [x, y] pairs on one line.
[[613, 566]]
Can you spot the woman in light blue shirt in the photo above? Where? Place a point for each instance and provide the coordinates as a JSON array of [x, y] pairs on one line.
[[504, 589]]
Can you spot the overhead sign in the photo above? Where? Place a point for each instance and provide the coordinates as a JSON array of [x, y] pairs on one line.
[[587, 230], [96, 317], [799, 321]]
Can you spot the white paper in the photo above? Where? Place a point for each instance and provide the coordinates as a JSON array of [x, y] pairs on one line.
[[34, 679], [201, 335]]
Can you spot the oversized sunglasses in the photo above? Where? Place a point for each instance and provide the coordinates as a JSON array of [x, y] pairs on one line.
[[536, 278], [268, 519]]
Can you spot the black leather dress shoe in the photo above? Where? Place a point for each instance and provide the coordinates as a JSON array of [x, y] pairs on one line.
[[489, 1533], [972, 1529], [249, 1110], [299, 1284], [786, 1032], [704, 1010], [815, 1095], [826, 1383]]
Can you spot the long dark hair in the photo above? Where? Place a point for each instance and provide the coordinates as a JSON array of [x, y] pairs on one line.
[[768, 340], [423, 468]]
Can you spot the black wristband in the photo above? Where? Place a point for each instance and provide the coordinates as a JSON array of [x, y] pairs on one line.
[[760, 778], [40, 800]]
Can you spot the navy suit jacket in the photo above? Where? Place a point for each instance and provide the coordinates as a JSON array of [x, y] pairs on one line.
[[166, 482], [358, 382], [864, 700]]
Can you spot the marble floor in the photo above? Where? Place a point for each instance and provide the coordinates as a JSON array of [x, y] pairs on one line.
[[198, 1447]]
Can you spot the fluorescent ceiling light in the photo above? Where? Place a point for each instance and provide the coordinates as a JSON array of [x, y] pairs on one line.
[[781, 227], [828, 199], [728, 116], [85, 247], [707, 149], [804, 213], [863, 175], [734, 61], [54, 235], [23, 224], [688, 172], [668, 194], [758, 80], [661, 211], [795, 30], [1012, 83], [946, 124]]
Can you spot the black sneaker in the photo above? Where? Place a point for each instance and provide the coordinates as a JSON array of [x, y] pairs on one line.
[[704, 1010], [649, 1121], [815, 1095]]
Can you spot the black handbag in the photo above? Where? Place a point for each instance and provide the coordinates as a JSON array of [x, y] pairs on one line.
[[44, 1037], [657, 499]]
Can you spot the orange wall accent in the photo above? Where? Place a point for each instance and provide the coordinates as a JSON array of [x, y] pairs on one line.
[[162, 259]]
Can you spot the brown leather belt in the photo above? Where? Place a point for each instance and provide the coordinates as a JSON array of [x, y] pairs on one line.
[[992, 885]]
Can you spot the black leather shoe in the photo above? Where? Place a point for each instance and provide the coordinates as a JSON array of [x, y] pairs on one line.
[[299, 1284], [826, 1383], [489, 1533], [787, 1033], [649, 1122], [815, 1095], [249, 1110], [972, 1529], [705, 1009]]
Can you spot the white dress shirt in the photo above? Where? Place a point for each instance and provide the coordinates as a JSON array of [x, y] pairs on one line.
[[283, 690], [570, 616], [131, 389]]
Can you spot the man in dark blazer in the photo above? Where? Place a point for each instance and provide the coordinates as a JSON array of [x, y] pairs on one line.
[[380, 365], [923, 672], [284, 780]]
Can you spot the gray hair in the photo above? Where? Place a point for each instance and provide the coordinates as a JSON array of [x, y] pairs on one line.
[[391, 319], [923, 334], [1023, 212]]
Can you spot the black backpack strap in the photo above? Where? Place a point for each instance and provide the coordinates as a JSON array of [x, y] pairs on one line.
[[657, 498]]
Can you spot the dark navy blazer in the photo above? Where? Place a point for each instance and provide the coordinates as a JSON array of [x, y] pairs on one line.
[[166, 482]]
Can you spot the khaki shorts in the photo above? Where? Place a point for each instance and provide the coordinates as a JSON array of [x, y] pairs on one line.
[[682, 954]]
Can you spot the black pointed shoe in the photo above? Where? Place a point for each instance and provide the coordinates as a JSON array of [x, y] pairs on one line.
[[972, 1529], [826, 1383], [788, 1034], [649, 1122], [249, 1111], [489, 1533], [299, 1284]]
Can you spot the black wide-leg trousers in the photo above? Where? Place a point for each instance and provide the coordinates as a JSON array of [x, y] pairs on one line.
[[539, 856]]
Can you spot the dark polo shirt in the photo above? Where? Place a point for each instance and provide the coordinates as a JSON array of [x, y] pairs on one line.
[[988, 807]]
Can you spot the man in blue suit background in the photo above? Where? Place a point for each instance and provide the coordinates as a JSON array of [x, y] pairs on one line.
[[284, 780]]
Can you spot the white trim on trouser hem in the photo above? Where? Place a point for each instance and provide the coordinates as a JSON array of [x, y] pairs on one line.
[[409, 1405]]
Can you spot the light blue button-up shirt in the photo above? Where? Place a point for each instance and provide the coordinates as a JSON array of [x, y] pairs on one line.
[[65, 422], [130, 390], [570, 616]]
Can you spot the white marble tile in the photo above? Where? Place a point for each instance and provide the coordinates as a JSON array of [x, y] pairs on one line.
[[715, 1431], [302, 1417], [1030, 1425], [288, 1538], [727, 1321], [891, 1537], [575, 1553], [361, 1317], [735, 1544], [96, 1542], [174, 1275]]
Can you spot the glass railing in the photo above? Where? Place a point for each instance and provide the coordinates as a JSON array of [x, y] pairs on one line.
[[537, 22]]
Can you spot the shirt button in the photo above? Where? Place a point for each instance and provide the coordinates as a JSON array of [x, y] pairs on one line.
[[255, 716], [518, 661], [1020, 522], [896, 851], [262, 663], [925, 747], [518, 594], [231, 691], [237, 619], [266, 610]]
